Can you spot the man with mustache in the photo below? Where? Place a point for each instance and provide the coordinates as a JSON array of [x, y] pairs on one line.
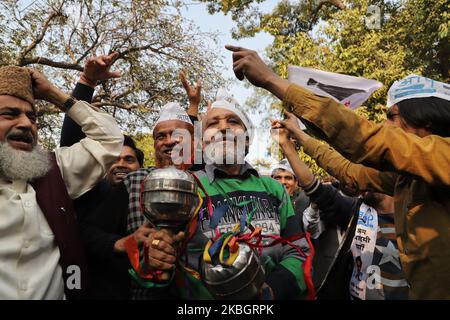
[[130, 159], [118, 217], [234, 188], [40, 249], [283, 173]]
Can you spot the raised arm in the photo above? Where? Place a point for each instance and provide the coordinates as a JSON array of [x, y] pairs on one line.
[[83, 164], [351, 174], [194, 96], [96, 69], [302, 172], [359, 140], [335, 208]]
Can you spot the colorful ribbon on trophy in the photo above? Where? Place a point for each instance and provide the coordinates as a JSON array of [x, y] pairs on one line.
[[192, 228], [307, 266], [208, 200], [224, 248]]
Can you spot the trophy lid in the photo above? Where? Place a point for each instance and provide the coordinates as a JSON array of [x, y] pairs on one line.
[[242, 280], [170, 179], [169, 197]]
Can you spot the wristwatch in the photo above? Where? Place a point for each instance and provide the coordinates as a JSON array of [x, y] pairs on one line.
[[68, 104]]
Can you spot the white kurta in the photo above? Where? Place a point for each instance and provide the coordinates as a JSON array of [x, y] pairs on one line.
[[29, 256]]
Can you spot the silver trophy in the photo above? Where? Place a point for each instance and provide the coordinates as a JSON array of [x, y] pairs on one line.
[[169, 199], [240, 281]]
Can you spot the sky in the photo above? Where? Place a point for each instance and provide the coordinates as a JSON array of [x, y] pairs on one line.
[[198, 14]]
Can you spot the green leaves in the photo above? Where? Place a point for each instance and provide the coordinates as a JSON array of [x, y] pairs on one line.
[[375, 39]]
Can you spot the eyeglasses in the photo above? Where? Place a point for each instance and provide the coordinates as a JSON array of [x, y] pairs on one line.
[[391, 115]]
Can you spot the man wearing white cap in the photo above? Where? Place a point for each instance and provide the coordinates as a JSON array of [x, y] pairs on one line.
[[228, 132], [233, 185], [173, 125], [417, 154], [284, 174], [419, 105]]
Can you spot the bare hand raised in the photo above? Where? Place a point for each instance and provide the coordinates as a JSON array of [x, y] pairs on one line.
[[98, 69], [248, 64], [43, 89], [279, 133], [292, 124], [194, 94]]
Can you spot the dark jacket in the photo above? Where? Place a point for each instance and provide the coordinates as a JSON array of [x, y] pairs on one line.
[[333, 263], [338, 209], [300, 202], [106, 282], [100, 230], [71, 133]]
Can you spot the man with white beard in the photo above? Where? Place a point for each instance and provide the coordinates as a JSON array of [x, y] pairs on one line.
[[40, 249], [236, 190]]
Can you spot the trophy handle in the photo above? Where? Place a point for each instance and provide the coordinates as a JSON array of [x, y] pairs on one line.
[[165, 276]]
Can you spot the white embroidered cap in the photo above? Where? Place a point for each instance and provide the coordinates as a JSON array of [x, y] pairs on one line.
[[173, 111], [283, 164], [414, 86], [224, 100]]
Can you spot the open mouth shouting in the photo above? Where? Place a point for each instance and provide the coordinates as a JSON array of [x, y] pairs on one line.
[[21, 140], [168, 152]]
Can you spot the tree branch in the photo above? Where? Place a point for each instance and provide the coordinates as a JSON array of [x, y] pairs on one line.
[[38, 39], [120, 105], [123, 94], [47, 108], [95, 41], [336, 3], [111, 104], [74, 30], [51, 63], [147, 47]]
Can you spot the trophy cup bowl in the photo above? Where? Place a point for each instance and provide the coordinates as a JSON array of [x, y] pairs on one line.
[[240, 281], [169, 198]]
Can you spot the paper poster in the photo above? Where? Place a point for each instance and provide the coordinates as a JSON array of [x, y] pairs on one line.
[[363, 247], [347, 90]]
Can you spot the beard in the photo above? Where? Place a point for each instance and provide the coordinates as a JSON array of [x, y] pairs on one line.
[[23, 165], [229, 149]]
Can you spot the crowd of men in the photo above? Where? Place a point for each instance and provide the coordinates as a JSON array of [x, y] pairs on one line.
[[378, 228]]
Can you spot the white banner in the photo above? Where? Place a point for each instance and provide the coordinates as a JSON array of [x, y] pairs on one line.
[[347, 90]]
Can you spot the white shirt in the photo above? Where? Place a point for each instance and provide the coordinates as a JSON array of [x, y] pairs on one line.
[[29, 255]]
